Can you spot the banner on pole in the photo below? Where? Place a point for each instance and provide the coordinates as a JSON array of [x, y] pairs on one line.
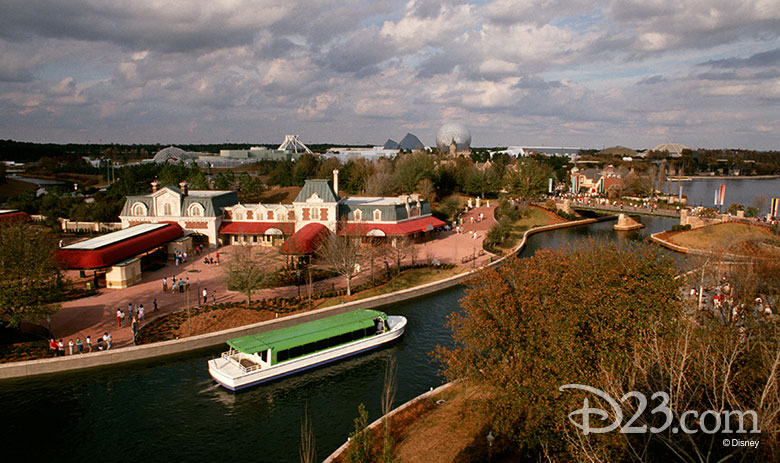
[[775, 206]]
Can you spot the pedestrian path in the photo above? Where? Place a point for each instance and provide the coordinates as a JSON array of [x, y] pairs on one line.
[[96, 315]]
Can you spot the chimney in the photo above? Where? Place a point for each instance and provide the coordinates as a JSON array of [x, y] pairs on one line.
[[336, 181], [183, 186], [155, 185]]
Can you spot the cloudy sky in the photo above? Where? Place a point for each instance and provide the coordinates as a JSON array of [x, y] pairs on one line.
[[705, 73]]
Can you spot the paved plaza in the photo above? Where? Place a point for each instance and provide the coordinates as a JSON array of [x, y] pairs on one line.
[[96, 315]]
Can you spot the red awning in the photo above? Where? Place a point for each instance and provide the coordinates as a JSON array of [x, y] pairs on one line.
[[14, 216], [255, 228], [117, 252], [306, 240], [408, 227]]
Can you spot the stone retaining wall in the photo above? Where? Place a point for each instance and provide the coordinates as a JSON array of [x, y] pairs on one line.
[[210, 340]]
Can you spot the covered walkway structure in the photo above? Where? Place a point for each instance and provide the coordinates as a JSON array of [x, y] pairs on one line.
[[118, 252]]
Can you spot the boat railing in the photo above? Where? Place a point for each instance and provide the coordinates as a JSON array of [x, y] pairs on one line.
[[236, 358]]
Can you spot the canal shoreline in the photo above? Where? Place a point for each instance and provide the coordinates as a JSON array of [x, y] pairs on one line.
[[132, 354]]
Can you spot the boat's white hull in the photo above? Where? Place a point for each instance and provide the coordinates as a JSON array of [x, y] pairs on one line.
[[228, 374]]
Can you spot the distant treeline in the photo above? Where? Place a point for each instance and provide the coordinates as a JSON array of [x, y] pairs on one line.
[[18, 151]]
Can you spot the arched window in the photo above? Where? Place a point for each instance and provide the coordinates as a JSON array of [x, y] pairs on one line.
[[377, 215], [315, 213], [196, 210], [167, 209], [358, 215], [139, 209]]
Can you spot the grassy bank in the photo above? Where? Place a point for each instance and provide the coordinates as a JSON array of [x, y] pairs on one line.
[[536, 218], [407, 279], [733, 237]]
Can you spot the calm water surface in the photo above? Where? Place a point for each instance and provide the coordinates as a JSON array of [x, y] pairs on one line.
[[171, 410]]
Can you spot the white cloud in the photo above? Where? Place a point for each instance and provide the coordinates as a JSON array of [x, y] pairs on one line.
[[555, 71]]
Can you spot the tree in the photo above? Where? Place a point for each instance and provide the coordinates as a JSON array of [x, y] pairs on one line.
[[341, 254], [529, 179], [359, 450], [246, 273], [556, 318], [30, 281], [412, 169]]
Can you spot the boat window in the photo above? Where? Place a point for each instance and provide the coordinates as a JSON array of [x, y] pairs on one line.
[[334, 341], [322, 344], [282, 355], [296, 351], [264, 356], [309, 348]]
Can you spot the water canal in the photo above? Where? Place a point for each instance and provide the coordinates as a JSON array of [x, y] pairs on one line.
[[171, 410]]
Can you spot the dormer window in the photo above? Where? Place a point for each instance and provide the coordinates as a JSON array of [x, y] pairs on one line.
[[358, 215], [377, 215], [196, 210], [167, 209], [139, 209]]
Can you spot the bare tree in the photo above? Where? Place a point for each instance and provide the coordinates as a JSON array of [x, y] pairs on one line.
[[246, 272], [307, 451], [388, 397], [341, 254]]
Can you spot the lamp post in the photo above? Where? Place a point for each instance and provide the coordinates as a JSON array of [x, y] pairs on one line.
[[187, 303], [474, 258], [198, 293]]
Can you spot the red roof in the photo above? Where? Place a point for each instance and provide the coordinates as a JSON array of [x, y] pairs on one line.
[[408, 227], [117, 252], [14, 216], [255, 228], [306, 240]]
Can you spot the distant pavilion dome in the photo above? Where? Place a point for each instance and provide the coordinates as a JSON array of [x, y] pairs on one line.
[[674, 149], [453, 133], [173, 155]]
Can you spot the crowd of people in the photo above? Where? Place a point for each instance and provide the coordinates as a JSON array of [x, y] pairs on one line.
[[57, 348]]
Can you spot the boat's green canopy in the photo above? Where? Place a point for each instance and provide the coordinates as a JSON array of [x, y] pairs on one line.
[[285, 338]]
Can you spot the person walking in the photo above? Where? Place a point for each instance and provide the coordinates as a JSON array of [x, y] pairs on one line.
[[135, 330], [53, 347], [140, 312], [155, 304], [205, 296], [70, 346], [79, 346], [165, 284], [89, 344], [61, 348], [119, 316], [217, 256], [187, 285], [107, 340]]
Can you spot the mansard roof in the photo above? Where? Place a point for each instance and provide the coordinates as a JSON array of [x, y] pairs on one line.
[[321, 188]]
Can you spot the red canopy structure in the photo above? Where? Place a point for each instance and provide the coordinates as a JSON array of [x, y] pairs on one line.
[[255, 228], [90, 254], [306, 240], [405, 228], [13, 216]]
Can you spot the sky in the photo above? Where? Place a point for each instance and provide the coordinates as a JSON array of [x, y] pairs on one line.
[[578, 73]]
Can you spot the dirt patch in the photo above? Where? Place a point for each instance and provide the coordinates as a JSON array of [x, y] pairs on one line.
[[447, 432], [224, 319]]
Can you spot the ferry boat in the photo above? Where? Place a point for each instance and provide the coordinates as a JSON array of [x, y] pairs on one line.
[[258, 358]]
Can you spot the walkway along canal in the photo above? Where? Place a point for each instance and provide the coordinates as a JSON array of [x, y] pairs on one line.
[[171, 409]]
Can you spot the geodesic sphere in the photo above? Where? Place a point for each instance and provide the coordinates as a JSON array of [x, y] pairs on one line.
[[453, 132]]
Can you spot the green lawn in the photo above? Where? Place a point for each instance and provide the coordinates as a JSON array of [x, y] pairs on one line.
[[536, 218], [724, 236], [407, 279]]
